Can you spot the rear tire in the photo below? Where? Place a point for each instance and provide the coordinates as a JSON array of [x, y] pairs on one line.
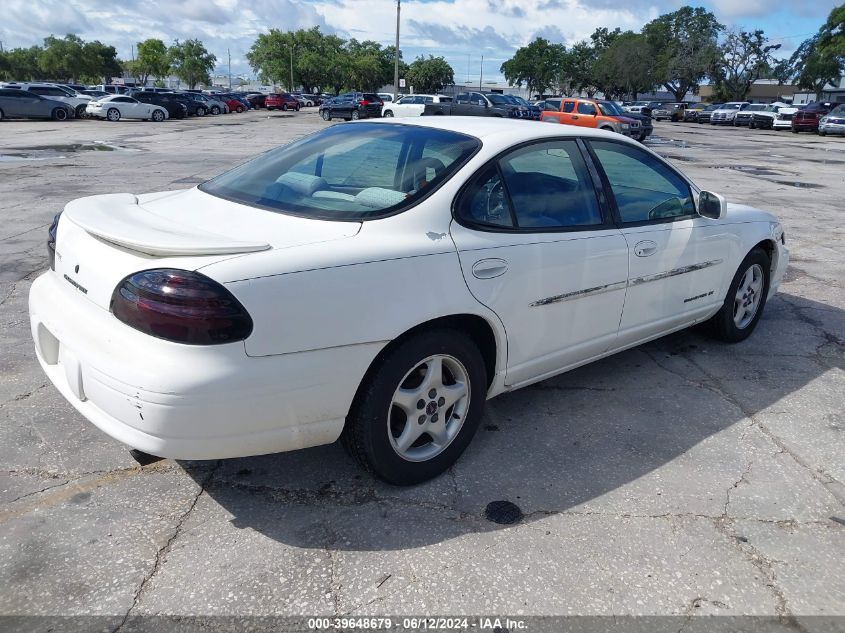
[[355, 115], [284, 107], [239, 109], [113, 114], [201, 111], [387, 431], [745, 301], [215, 110], [387, 114]]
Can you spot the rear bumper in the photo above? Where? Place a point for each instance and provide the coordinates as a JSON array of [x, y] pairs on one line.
[[183, 401]]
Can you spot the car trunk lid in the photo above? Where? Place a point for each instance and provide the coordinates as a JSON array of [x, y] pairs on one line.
[[102, 239]]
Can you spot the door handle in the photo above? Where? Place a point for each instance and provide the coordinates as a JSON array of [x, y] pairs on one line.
[[574, 118], [645, 248], [489, 268]]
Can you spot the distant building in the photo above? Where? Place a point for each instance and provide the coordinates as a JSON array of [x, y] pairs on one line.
[[831, 92], [762, 91]]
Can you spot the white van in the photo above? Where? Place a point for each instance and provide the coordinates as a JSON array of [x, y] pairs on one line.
[[411, 105], [52, 91]]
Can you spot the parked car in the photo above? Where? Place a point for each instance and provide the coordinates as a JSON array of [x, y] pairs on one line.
[[234, 104], [745, 117], [766, 117], [411, 105], [691, 112], [156, 332], [669, 111], [479, 104], [117, 107], [552, 103], [646, 122], [305, 101], [212, 104], [807, 118], [95, 94], [352, 106], [534, 111], [175, 106], [281, 101], [22, 104], [833, 122], [194, 106], [57, 93], [705, 114], [110, 89], [257, 100], [594, 113], [726, 113], [642, 107]]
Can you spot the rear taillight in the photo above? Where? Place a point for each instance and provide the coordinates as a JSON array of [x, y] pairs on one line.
[[52, 233], [180, 306], [363, 102]]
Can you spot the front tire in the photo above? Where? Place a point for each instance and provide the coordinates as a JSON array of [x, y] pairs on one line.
[[60, 114], [388, 431], [355, 115], [239, 109], [387, 114], [215, 110], [201, 111], [327, 116], [158, 116], [746, 298], [79, 113]]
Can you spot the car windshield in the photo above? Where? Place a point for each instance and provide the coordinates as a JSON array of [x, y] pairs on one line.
[[730, 106], [757, 108], [610, 109], [499, 99], [840, 109], [348, 172]]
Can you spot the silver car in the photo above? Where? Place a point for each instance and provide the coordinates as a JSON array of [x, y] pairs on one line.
[[22, 104], [833, 122]]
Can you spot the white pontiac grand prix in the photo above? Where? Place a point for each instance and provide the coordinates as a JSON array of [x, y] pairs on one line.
[[379, 281]]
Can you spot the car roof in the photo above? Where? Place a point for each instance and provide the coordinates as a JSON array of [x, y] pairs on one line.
[[495, 127]]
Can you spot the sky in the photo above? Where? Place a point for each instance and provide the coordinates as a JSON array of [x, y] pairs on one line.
[[460, 30]]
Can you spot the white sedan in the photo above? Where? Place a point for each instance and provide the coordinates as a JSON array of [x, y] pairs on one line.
[[411, 105], [117, 107], [379, 281]]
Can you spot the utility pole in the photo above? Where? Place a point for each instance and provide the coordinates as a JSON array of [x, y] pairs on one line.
[[396, 55], [469, 68], [229, 54], [481, 74], [291, 67]]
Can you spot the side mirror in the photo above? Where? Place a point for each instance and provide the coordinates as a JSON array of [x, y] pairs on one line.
[[712, 205]]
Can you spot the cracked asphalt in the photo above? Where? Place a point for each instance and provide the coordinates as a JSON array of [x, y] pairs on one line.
[[685, 477]]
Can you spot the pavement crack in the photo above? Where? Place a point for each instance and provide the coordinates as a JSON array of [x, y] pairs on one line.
[[165, 549]]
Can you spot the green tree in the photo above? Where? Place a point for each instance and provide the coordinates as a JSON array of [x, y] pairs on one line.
[[430, 75], [745, 57], [191, 62], [62, 58], [538, 66], [832, 35], [99, 62], [582, 61], [21, 64], [685, 48], [811, 67], [625, 67], [151, 61]]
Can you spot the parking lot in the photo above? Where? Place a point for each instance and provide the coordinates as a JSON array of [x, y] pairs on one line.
[[682, 477]]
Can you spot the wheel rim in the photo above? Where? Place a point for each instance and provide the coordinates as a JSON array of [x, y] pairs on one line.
[[113, 115], [748, 296], [61, 115], [428, 408], [354, 116]]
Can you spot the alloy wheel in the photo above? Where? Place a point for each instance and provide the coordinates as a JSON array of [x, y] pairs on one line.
[[748, 296], [428, 408]]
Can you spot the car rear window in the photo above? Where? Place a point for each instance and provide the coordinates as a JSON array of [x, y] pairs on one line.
[[348, 172]]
